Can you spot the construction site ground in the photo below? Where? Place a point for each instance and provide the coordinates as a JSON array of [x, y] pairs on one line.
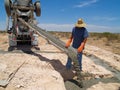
[[44, 68]]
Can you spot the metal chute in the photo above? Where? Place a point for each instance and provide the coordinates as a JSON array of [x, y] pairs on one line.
[[71, 52], [37, 8], [8, 7]]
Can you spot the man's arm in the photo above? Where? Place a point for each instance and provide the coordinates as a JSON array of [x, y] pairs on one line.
[[81, 47], [85, 40]]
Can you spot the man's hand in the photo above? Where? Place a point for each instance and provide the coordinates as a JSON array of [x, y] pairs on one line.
[[81, 47]]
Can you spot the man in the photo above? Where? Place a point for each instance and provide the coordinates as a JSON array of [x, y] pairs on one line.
[[78, 39]]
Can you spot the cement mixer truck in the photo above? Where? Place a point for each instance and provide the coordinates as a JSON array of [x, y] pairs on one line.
[[18, 32], [24, 29]]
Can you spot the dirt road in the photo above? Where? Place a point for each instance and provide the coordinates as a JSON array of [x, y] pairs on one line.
[[44, 68]]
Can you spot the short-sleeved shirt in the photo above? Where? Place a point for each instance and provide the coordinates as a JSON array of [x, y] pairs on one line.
[[79, 34]]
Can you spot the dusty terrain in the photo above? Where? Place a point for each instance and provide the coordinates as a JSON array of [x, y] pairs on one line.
[[107, 41], [44, 68]]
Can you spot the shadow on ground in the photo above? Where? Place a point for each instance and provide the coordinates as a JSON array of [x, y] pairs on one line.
[[56, 63], [67, 75]]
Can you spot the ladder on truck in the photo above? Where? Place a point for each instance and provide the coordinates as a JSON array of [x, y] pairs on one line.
[[71, 52]]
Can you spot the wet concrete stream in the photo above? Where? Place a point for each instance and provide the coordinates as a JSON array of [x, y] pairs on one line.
[[104, 64], [71, 85]]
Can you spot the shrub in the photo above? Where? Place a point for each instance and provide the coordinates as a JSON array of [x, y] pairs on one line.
[[108, 35]]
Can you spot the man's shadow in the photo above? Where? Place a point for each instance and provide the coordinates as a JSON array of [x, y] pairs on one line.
[[56, 63]]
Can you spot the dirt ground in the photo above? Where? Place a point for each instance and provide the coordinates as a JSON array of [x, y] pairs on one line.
[[44, 68], [104, 43], [107, 41]]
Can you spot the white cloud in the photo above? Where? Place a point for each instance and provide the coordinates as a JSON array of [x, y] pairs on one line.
[[105, 18], [68, 28], [97, 28], [57, 27], [86, 3]]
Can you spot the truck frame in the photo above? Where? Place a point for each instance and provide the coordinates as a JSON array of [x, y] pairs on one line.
[[18, 32]]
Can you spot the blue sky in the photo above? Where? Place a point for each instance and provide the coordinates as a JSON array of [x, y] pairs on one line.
[[61, 15]]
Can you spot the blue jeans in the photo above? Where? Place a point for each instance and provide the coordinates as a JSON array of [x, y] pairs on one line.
[[69, 61]]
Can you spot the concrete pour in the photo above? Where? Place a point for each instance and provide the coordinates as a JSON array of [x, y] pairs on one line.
[[45, 71]]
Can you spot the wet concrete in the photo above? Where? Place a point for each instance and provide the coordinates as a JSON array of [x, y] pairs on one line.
[[106, 65], [88, 83], [72, 85]]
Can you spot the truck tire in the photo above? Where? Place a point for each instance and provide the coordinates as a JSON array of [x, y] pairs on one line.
[[37, 8], [8, 7]]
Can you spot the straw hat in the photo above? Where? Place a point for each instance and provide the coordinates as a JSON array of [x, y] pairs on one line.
[[80, 23]]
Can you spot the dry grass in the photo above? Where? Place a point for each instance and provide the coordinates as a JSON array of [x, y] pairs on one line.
[[107, 41], [109, 36]]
